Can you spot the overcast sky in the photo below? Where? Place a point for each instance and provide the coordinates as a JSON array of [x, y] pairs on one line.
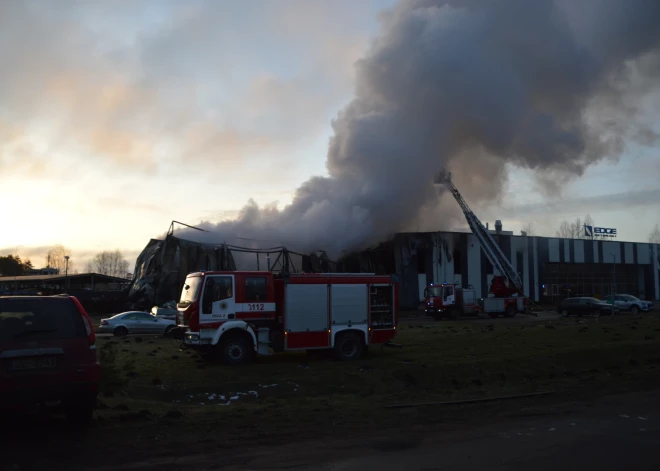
[[117, 117]]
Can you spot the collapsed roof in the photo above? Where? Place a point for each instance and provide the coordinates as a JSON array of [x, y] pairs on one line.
[[162, 267]]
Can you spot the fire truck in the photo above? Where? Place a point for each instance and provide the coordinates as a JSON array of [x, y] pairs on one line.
[[505, 295], [449, 300], [234, 315]]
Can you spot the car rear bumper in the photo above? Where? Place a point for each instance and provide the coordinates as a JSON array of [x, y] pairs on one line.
[[65, 393]]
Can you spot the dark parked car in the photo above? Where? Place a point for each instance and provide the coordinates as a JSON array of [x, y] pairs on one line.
[[584, 306], [48, 355]]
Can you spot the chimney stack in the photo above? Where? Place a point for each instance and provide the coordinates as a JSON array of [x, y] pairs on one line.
[[498, 226]]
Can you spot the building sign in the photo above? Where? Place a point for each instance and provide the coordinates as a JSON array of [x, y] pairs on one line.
[[591, 231]]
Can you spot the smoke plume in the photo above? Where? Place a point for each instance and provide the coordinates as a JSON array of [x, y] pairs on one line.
[[471, 86]]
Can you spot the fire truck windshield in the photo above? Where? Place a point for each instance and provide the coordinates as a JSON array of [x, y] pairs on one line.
[[433, 291], [190, 289]]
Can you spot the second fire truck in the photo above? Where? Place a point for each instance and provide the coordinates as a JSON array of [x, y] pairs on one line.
[[234, 315], [505, 296]]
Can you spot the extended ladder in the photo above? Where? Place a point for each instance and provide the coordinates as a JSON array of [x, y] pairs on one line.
[[488, 244]]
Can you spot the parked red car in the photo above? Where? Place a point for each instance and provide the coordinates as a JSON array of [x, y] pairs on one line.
[[48, 355]]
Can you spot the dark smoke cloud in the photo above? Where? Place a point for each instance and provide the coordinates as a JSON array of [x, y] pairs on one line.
[[551, 86]]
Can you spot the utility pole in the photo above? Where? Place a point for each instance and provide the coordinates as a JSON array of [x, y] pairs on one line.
[[66, 273]]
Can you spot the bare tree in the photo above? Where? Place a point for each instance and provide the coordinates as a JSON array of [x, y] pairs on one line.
[[565, 230], [575, 229], [109, 263], [588, 220], [528, 229], [56, 258], [654, 236]]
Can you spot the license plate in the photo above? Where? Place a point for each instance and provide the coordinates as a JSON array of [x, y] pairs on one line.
[[24, 364]]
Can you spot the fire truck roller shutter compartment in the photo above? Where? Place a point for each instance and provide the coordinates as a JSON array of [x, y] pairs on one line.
[[349, 309], [468, 300], [306, 316]]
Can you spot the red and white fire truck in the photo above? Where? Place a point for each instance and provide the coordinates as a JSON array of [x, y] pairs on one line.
[[505, 295], [233, 315], [449, 300]]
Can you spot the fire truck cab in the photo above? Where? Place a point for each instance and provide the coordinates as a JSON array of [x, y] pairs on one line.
[[233, 315], [449, 300]]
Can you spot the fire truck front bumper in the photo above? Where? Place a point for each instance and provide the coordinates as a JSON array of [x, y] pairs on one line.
[[192, 338], [181, 333]]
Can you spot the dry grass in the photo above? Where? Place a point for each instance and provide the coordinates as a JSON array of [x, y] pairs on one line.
[[146, 381], [450, 360]]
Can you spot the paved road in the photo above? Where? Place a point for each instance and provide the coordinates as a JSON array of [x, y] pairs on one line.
[[616, 433], [602, 443], [615, 437]]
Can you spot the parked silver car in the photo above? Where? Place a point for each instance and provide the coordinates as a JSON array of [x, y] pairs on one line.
[[135, 322], [626, 302]]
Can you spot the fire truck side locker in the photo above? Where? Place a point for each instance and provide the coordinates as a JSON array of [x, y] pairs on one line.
[[306, 318], [349, 309], [493, 305]]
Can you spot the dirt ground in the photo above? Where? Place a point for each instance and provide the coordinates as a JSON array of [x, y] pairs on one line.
[[608, 433], [162, 405]]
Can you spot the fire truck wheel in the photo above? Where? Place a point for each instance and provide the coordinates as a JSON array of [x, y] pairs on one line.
[[455, 314], [511, 310], [235, 349], [348, 346]]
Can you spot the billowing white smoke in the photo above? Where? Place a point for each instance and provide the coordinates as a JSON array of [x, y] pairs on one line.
[[469, 85]]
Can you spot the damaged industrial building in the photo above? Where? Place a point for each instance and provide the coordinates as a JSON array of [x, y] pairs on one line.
[[163, 265], [551, 268]]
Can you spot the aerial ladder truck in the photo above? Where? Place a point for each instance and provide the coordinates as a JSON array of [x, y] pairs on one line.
[[505, 295]]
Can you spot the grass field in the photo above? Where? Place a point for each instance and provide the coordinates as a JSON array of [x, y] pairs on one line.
[[159, 401], [445, 362]]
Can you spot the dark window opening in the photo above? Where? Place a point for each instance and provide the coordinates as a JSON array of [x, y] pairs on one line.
[[421, 261], [457, 256]]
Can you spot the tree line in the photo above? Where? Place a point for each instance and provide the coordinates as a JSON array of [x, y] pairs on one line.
[[575, 229], [12, 265], [108, 262]]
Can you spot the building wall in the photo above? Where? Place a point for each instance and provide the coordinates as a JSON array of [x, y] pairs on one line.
[[424, 258]]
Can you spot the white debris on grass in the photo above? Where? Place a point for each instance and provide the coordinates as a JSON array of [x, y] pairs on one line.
[[221, 399]]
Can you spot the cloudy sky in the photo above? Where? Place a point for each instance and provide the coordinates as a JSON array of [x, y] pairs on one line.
[[117, 117]]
